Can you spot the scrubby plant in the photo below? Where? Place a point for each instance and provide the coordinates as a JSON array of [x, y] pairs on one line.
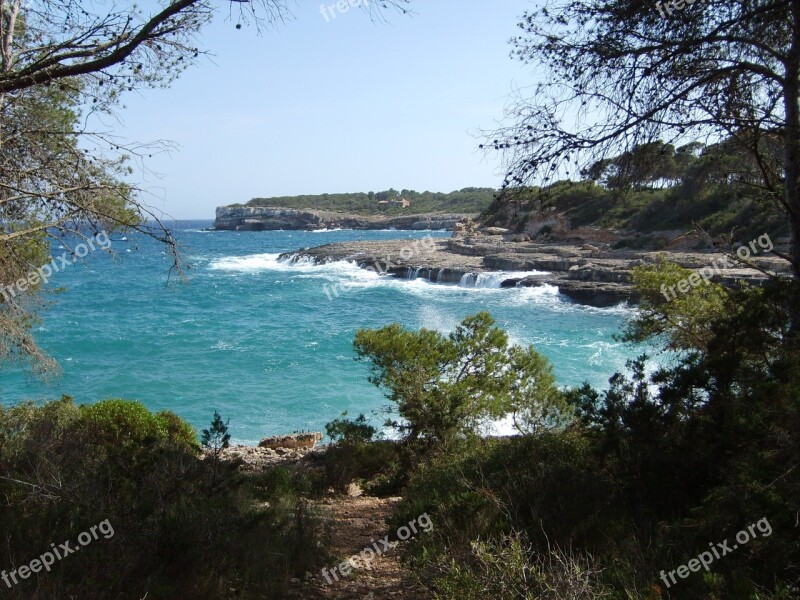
[[509, 569], [356, 455], [351, 431]]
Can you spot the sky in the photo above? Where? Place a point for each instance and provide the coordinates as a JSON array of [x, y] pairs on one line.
[[342, 104]]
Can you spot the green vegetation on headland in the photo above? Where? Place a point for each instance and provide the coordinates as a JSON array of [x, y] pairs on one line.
[[388, 202], [652, 187]]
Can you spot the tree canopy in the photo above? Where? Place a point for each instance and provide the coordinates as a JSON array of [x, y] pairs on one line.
[[445, 387], [617, 75]]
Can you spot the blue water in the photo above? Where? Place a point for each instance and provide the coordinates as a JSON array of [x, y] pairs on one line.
[[261, 341]]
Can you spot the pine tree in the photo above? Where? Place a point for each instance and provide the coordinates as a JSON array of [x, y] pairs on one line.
[[216, 438]]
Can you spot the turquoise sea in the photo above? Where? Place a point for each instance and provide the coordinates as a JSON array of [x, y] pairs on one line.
[[261, 341]]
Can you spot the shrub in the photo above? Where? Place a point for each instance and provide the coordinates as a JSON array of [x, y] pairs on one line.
[[216, 438], [124, 424], [351, 431], [177, 429], [550, 487], [508, 569], [64, 468]]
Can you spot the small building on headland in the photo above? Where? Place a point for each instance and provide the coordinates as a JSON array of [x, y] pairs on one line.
[[401, 202]]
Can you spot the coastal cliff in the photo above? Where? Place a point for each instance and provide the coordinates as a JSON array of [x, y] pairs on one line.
[[267, 218]]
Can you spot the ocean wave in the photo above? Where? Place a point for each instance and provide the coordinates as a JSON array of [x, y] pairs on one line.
[[299, 267], [495, 279], [252, 262], [343, 279]]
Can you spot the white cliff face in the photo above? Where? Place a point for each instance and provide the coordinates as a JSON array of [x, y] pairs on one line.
[[264, 218]]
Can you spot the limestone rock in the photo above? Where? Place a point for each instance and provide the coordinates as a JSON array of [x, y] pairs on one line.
[[495, 231], [296, 440]]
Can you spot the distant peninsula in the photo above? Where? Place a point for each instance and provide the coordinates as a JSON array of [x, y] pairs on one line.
[[389, 209]]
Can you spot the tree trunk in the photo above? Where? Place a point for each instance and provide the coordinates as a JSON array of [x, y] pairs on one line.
[[791, 99]]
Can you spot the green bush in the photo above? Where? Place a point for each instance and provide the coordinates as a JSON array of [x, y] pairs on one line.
[[374, 465], [185, 527], [351, 431], [124, 424], [177, 429], [548, 487]]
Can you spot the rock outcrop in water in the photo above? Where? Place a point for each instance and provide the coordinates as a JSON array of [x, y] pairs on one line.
[[262, 218]]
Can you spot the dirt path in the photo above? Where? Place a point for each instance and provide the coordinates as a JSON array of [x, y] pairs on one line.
[[356, 523]]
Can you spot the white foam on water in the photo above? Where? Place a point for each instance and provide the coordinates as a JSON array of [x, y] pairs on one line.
[[544, 294], [436, 318], [494, 279], [502, 427], [251, 263], [348, 278], [339, 277]]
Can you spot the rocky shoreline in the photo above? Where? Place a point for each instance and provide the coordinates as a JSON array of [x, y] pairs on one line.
[[287, 450], [594, 275], [267, 218]]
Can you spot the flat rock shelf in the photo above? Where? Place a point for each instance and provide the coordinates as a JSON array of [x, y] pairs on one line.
[[584, 273]]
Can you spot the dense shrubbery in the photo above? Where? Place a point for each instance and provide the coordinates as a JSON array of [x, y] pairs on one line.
[[506, 568], [184, 526], [648, 474], [355, 456], [443, 390]]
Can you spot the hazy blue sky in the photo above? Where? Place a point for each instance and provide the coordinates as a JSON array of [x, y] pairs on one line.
[[332, 106]]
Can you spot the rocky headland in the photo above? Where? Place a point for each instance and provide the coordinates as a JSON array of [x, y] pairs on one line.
[[594, 274], [263, 218]]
